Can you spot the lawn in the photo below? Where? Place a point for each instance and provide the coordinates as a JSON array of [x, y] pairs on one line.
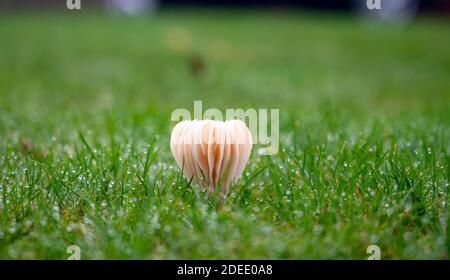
[[85, 105]]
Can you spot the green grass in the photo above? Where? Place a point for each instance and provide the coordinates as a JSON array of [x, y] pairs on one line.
[[85, 104]]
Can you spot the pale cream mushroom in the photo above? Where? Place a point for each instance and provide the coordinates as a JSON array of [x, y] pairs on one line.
[[212, 154]]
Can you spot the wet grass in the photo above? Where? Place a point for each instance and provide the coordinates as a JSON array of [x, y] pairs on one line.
[[85, 104]]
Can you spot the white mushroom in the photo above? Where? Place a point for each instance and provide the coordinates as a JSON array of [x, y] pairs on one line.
[[212, 154]]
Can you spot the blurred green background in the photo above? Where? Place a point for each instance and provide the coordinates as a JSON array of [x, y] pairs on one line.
[[364, 112]]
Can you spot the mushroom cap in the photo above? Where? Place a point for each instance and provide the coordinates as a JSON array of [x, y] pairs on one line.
[[211, 153]]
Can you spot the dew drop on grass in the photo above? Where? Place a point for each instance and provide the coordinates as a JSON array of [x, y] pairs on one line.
[[298, 213], [69, 228], [407, 236], [43, 222], [28, 223], [317, 229]]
